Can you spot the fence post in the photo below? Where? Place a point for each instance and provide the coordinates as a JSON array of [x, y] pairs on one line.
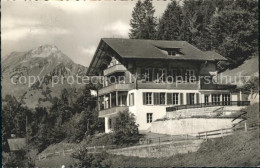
[[206, 136], [245, 127], [222, 133], [159, 144]]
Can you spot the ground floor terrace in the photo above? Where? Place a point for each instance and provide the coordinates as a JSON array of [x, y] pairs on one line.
[[149, 105]]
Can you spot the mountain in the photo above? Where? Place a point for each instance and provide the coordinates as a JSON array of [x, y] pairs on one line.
[[243, 73], [37, 76]]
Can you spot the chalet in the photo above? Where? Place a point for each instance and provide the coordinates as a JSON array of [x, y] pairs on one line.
[[151, 77]]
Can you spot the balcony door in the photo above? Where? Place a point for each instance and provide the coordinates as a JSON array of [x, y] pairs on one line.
[[190, 98], [225, 99], [206, 99]]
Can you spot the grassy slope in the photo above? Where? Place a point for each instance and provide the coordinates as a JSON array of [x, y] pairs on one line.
[[237, 150], [248, 68]]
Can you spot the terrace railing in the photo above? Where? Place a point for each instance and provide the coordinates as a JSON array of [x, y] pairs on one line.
[[211, 104]]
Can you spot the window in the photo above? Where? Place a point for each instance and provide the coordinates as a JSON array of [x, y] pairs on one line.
[[175, 98], [192, 98], [159, 98], [226, 99], [161, 75], [146, 74], [173, 53], [131, 99], [216, 99], [172, 98], [190, 76], [147, 98], [113, 62], [206, 99], [173, 74], [149, 117], [162, 98]]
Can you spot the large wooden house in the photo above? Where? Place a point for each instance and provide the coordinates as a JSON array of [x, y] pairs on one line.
[[147, 76]]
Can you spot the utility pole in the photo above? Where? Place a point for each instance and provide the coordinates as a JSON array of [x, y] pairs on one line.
[[27, 139]]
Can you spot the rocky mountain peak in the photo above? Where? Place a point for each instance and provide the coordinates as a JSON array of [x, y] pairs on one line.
[[46, 51]]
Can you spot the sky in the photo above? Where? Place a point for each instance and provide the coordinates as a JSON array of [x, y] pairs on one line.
[[75, 27]]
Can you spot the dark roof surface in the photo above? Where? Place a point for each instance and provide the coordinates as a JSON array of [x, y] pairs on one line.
[[150, 49], [215, 55], [136, 48]]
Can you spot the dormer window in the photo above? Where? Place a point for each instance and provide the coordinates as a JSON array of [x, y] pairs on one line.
[[172, 53]]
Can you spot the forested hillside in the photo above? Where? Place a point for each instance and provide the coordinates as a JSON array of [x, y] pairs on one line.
[[229, 27]]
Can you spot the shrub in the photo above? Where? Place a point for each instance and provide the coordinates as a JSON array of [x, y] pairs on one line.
[[18, 159], [86, 159], [125, 129]]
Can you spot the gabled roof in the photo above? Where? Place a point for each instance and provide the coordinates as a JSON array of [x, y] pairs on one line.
[[153, 49], [136, 48], [215, 56]]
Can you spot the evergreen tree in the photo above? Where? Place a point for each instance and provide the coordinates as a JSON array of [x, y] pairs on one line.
[[143, 22], [169, 27], [235, 31]]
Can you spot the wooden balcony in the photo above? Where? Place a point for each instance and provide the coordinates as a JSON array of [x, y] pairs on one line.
[[112, 111], [217, 87], [212, 104], [115, 68], [172, 85], [116, 87], [210, 85]]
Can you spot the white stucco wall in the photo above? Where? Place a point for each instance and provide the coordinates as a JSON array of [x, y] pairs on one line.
[[189, 126], [159, 111]]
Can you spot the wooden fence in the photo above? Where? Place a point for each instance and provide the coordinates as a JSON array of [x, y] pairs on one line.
[[182, 137], [93, 149], [200, 135]]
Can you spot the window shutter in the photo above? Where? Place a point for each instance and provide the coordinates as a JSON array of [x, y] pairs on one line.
[[155, 74], [169, 98], [129, 99], [169, 75], [181, 98], [133, 100], [144, 98], [198, 98], [156, 98], [150, 75], [142, 74], [187, 98]]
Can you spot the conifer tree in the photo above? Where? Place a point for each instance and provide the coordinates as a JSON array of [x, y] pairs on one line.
[[143, 23], [169, 27], [235, 31]]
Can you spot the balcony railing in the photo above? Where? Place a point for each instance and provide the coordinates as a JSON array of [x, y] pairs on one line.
[[205, 85], [217, 87], [112, 110], [164, 85], [212, 104], [116, 87], [114, 68]]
